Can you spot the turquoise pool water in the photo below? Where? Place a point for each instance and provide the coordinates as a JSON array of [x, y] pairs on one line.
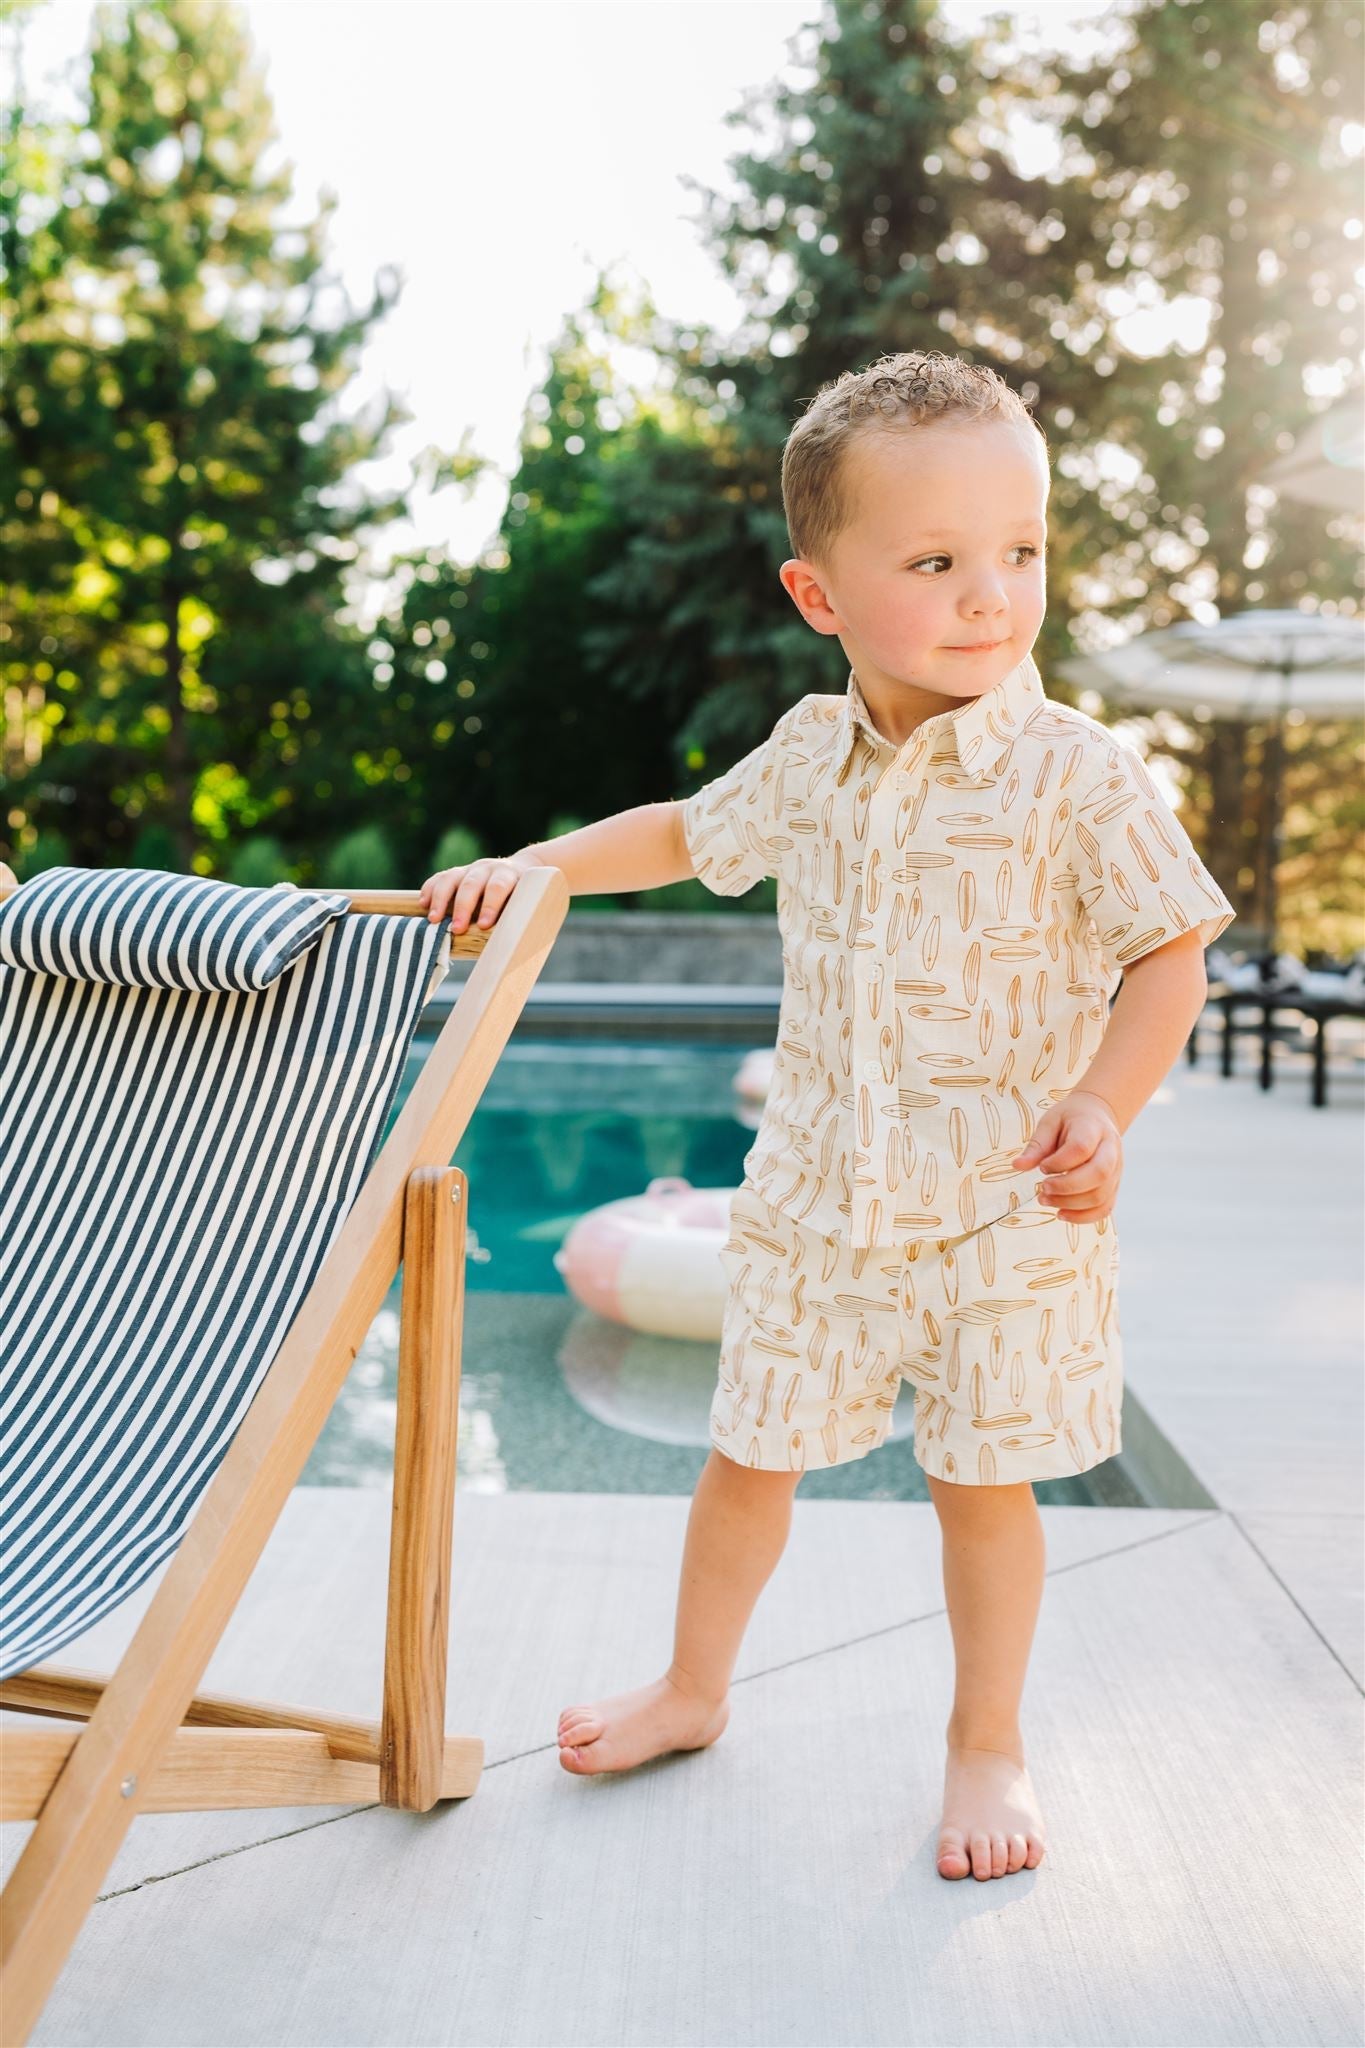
[[553, 1398]]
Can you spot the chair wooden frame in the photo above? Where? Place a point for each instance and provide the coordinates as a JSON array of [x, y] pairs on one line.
[[151, 1743]]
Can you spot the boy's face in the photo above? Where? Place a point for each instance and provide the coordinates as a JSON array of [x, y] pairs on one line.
[[943, 552]]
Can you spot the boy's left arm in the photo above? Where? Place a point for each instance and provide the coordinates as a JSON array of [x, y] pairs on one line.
[[1077, 1143]]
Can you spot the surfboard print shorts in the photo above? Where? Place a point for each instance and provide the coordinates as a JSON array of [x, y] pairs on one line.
[[1009, 1335]]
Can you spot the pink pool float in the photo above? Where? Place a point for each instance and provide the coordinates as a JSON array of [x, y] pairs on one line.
[[652, 1261]]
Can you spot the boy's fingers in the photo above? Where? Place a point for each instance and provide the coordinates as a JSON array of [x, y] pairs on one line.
[[501, 883], [1037, 1144], [456, 892], [475, 885], [1071, 1152], [437, 891], [1058, 1161]]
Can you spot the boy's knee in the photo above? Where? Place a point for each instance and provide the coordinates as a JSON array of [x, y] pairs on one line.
[[956, 1497], [755, 1476]]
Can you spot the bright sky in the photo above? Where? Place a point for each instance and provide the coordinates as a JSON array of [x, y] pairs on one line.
[[499, 152]]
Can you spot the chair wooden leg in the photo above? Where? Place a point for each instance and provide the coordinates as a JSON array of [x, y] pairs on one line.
[[413, 1729], [205, 1770], [56, 1691], [415, 1754]]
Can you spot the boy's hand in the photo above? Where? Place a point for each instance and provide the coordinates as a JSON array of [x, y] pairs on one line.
[[1078, 1145], [458, 890]]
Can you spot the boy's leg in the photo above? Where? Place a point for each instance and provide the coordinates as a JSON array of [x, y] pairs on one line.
[[993, 1565], [736, 1531], [1017, 1323]]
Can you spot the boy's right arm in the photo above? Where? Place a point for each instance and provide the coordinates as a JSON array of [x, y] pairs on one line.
[[639, 849]]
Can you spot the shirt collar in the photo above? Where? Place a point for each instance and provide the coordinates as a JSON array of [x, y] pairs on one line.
[[995, 716]]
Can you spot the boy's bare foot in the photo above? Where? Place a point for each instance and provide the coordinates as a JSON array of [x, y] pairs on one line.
[[615, 1734], [992, 1823]]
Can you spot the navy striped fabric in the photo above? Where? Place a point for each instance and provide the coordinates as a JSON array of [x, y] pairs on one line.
[[145, 929], [174, 1167]]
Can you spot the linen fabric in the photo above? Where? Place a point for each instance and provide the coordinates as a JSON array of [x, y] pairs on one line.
[[955, 914], [1009, 1336]]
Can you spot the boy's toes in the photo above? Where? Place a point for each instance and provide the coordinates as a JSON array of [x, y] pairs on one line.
[[1037, 1849], [981, 1856], [580, 1726], [1018, 1851], [952, 1856]]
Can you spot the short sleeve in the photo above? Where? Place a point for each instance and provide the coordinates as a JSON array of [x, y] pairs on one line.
[[729, 824], [1139, 875]]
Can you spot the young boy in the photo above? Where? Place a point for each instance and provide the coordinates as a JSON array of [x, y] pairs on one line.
[[964, 870]]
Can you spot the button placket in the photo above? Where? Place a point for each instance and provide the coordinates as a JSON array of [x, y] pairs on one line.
[[913, 789], [876, 1091]]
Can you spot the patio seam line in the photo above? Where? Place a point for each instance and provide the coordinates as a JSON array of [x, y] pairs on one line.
[[541, 1748], [1234, 1516], [1304, 1514]]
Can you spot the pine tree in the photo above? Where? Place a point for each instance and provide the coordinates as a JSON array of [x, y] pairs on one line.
[[883, 211], [530, 717], [1207, 161], [879, 211], [172, 454]]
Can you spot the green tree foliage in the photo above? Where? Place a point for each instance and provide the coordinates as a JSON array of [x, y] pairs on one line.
[[1208, 155], [1202, 156], [179, 651], [524, 707], [877, 212], [364, 859], [883, 211], [172, 459]]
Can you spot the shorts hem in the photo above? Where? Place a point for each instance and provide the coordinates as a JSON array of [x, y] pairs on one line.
[[1047, 1469], [821, 1464]]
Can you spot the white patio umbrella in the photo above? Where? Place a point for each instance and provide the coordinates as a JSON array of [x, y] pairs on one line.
[[1326, 465], [1253, 665]]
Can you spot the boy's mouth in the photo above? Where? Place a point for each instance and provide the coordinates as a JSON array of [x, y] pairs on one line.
[[976, 647]]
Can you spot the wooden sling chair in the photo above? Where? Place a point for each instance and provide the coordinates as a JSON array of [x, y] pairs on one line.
[[199, 1224]]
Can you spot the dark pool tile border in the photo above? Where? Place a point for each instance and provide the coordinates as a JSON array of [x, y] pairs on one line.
[[1149, 1471]]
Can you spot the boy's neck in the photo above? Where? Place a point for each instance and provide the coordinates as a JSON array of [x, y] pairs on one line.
[[899, 709]]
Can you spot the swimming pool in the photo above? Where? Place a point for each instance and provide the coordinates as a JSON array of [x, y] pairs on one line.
[[552, 1397]]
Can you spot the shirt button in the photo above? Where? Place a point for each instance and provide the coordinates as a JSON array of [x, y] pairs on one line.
[[871, 1069]]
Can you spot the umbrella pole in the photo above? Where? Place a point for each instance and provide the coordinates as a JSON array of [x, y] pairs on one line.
[[1274, 758]]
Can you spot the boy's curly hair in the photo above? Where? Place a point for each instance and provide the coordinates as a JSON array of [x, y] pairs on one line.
[[907, 390]]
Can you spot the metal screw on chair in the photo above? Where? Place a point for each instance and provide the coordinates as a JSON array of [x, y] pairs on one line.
[[455, 1191], [128, 1787]]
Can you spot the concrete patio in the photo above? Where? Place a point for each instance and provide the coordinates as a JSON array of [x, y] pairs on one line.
[[1193, 1723]]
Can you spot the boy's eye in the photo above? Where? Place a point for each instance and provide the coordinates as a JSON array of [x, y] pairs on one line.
[[1024, 548]]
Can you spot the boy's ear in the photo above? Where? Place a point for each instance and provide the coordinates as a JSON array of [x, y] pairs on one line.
[[801, 581]]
